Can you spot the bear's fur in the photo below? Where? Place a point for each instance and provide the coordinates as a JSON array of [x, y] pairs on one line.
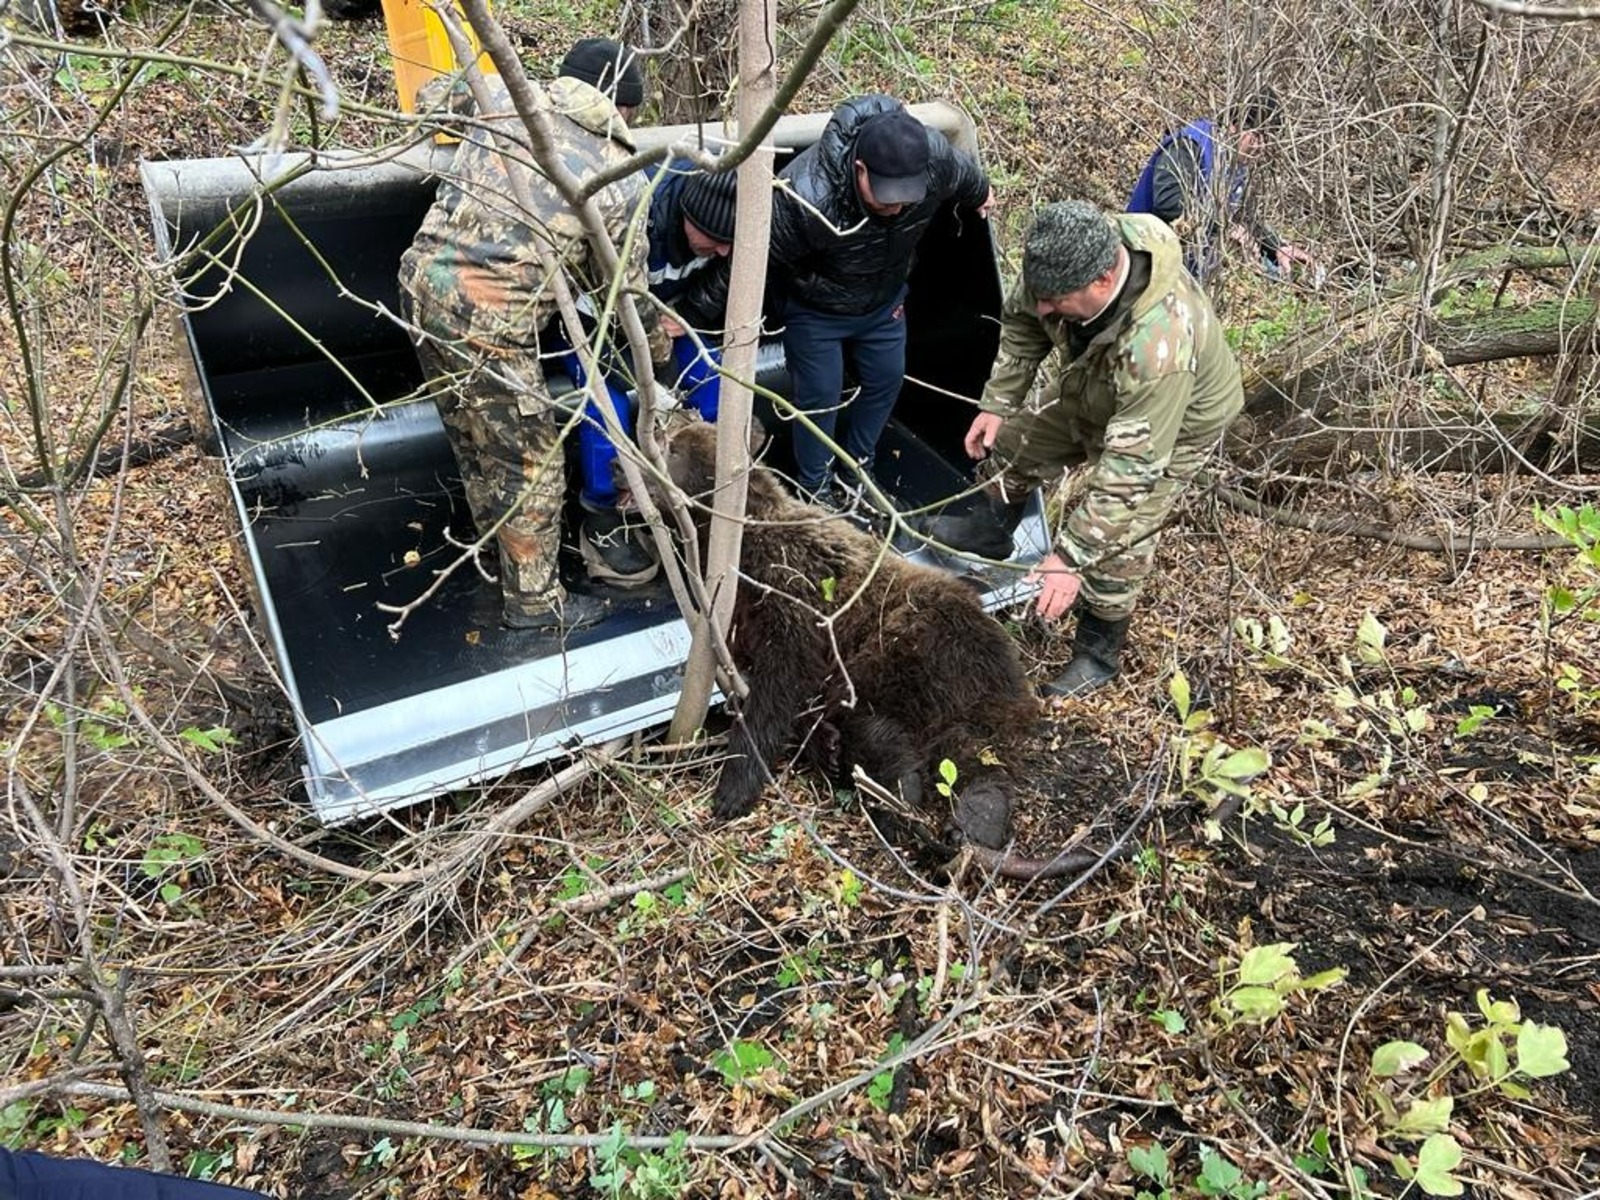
[[933, 675]]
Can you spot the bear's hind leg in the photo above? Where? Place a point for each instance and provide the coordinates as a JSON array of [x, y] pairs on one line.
[[885, 750]]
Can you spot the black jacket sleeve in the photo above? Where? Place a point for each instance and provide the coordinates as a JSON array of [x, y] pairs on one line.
[[955, 174], [1178, 180], [703, 302]]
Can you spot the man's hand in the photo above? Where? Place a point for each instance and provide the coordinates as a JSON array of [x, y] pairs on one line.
[[1290, 254], [981, 434], [987, 206], [671, 326], [1060, 587]]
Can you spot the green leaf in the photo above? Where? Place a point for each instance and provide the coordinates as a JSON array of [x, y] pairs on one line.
[[1178, 688], [1266, 964], [1171, 1020], [171, 893], [1496, 1062], [1324, 979], [1439, 1155], [1396, 1058], [947, 771], [1150, 1161], [1541, 1050], [1370, 637], [1498, 1012], [1244, 764], [1218, 1176], [830, 587], [210, 740], [741, 1060], [1255, 1003], [1426, 1116]]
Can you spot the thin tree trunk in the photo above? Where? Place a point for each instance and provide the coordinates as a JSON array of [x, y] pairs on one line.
[[757, 83]]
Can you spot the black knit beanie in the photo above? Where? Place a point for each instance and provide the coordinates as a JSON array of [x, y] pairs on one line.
[[1069, 245], [596, 62], [710, 201]]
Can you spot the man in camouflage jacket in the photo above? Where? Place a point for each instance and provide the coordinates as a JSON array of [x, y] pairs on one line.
[[1137, 380], [475, 285]]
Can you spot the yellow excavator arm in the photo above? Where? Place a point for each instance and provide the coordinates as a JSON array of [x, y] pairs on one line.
[[420, 46]]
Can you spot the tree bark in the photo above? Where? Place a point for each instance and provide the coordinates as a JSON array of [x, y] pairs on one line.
[[758, 82]]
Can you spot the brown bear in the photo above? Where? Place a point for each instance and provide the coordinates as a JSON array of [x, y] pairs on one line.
[[875, 661]]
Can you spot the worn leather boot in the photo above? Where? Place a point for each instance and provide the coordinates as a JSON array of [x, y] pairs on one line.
[[1096, 656], [987, 529], [573, 610], [615, 549]]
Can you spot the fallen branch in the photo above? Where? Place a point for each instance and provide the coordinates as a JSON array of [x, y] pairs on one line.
[[591, 902], [141, 452], [1453, 543]]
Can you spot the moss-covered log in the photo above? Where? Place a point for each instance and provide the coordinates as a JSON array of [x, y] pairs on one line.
[[1545, 328], [1507, 443]]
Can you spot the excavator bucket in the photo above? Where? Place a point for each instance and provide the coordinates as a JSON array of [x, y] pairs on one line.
[[349, 501]]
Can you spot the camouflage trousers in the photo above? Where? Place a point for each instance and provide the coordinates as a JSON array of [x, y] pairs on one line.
[[506, 434], [1032, 450]]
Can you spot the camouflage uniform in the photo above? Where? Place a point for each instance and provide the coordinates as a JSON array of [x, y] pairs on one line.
[[479, 298], [1145, 402]]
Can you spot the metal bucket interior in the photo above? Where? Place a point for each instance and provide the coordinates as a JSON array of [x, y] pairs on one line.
[[348, 496]]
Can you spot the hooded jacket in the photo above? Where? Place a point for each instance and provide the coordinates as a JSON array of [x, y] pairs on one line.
[[831, 254], [1159, 377]]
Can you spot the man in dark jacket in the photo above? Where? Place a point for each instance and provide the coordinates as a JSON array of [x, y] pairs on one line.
[[1197, 182], [28, 1176], [845, 226]]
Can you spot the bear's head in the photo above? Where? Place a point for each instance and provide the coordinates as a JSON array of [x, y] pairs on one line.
[[690, 451]]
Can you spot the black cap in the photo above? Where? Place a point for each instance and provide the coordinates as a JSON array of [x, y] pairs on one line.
[[710, 202], [608, 66], [1260, 112], [894, 148]]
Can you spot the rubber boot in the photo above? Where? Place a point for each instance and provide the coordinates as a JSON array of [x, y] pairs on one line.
[[1096, 656], [987, 529]]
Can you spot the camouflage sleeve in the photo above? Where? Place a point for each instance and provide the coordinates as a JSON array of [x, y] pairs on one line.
[[1024, 345], [1154, 381], [446, 94]]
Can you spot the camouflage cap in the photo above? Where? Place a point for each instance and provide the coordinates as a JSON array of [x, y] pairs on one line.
[[1069, 245]]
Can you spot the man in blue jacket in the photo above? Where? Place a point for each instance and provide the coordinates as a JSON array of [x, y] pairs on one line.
[[28, 1176], [690, 233], [846, 220], [1183, 184]]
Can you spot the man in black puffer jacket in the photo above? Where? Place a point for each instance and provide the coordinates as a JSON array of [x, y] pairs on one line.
[[842, 244]]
